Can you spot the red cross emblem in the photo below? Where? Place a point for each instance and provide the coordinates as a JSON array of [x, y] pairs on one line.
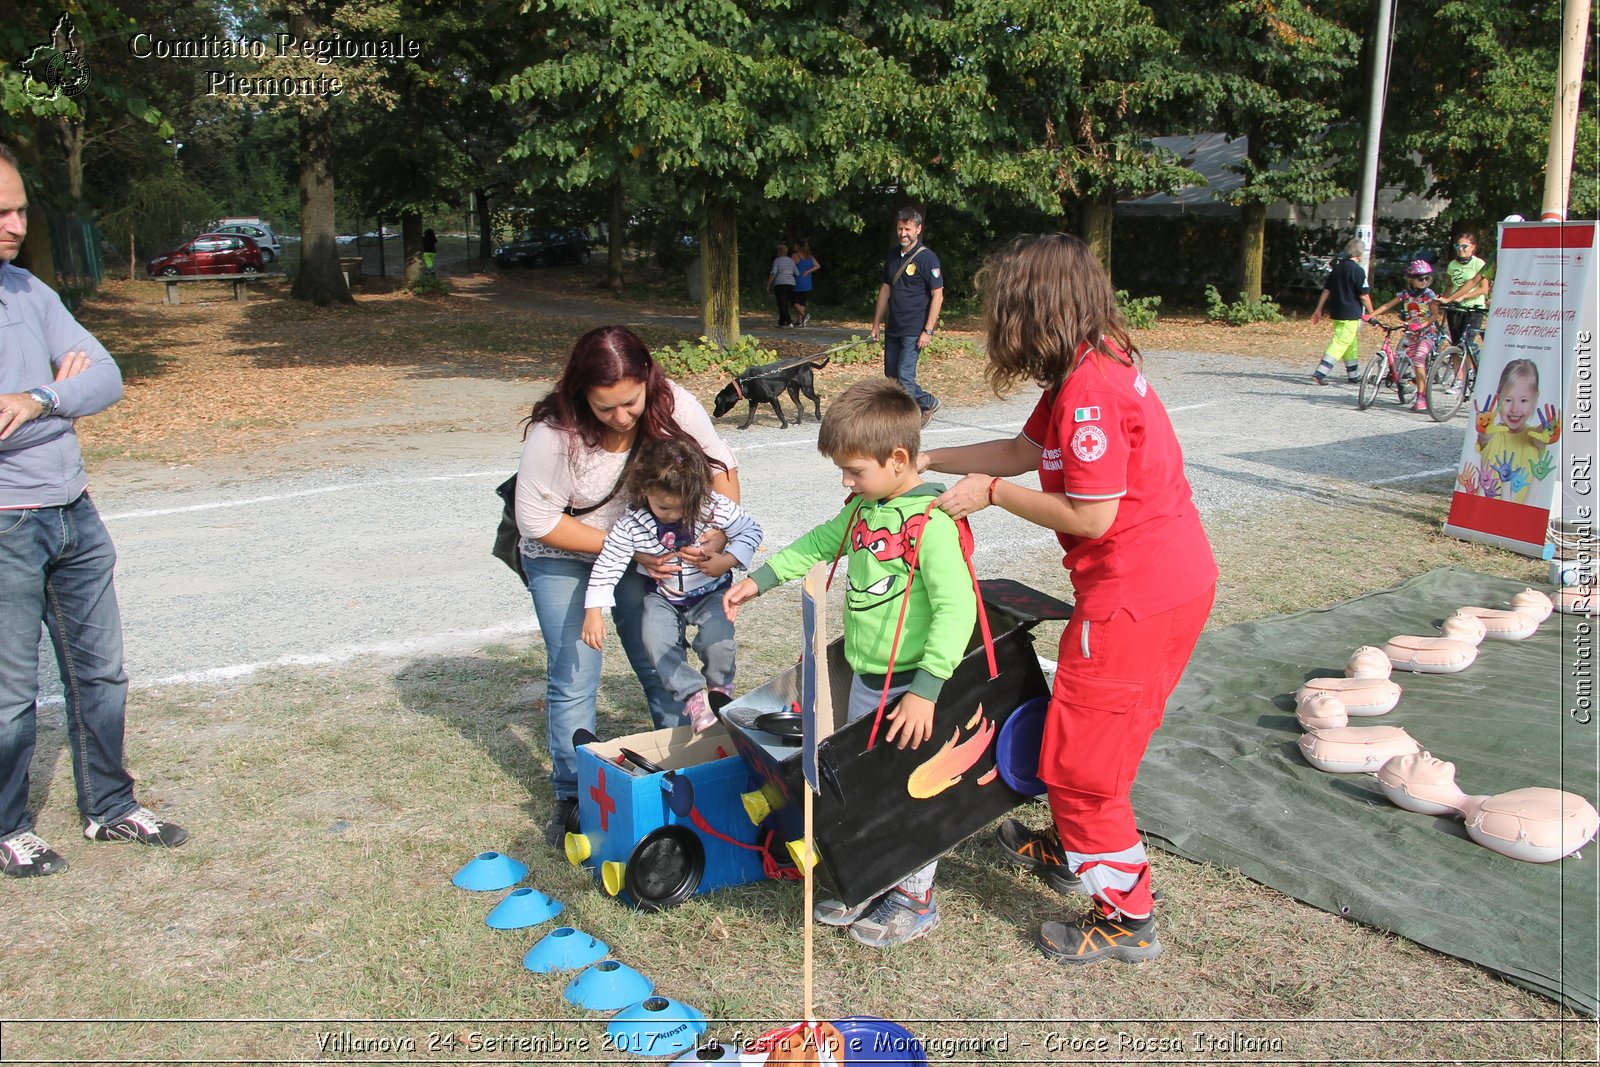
[[602, 799]]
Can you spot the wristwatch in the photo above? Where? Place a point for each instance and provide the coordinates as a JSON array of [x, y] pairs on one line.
[[45, 399]]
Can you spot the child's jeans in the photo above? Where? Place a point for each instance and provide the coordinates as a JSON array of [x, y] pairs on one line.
[[665, 632], [863, 702]]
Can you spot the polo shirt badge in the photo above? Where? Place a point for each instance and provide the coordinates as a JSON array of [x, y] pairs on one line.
[[1141, 384], [936, 272], [1089, 414], [1088, 443], [911, 269]]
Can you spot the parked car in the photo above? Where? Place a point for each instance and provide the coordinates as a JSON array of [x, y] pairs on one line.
[[210, 253], [544, 248], [260, 233]]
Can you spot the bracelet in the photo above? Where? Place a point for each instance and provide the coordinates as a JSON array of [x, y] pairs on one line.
[[992, 483]]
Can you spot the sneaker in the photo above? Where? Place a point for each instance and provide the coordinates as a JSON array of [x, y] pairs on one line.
[[837, 913], [1353, 377], [927, 414], [563, 819], [1095, 938], [698, 708], [806, 321], [25, 855], [1319, 379], [895, 919], [1040, 852], [1421, 403], [140, 825]]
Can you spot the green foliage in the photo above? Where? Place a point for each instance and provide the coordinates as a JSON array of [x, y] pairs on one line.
[[1242, 311], [1139, 311], [430, 285], [701, 355], [159, 211]]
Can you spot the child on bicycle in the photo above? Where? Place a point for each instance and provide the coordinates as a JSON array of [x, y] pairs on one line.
[[1467, 287], [1349, 302], [1419, 309], [671, 503]]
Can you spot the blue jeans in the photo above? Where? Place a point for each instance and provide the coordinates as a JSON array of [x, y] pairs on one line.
[[572, 677], [56, 567], [666, 637], [900, 355]]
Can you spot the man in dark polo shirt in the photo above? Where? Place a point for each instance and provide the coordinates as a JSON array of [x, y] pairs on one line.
[[911, 294]]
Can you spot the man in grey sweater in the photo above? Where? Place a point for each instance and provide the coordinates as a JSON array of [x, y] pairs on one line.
[[56, 562]]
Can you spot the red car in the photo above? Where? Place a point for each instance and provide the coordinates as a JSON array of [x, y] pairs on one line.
[[210, 253]]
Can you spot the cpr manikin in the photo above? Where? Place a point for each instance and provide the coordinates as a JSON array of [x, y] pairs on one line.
[[1330, 743], [1535, 824]]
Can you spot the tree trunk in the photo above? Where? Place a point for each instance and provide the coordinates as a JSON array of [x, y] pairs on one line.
[[1252, 248], [480, 200], [1094, 226], [37, 255], [72, 139], [411, 238], [719, 252], [319, 280], [616, 227]]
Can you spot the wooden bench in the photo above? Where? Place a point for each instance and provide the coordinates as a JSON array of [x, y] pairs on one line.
[[173, 281]]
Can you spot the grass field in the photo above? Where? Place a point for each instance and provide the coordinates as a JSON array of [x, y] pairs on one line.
[[310, 918]]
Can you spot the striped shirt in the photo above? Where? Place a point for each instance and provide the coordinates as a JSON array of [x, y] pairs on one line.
[[640, 531]]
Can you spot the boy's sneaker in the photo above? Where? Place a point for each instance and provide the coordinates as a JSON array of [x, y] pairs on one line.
[[563, 818], [835, 912], [1319, 379], [140, 825], [807, 320], [1096, 938], [698, 708], [1040, 852], [895, 919], [25, 855]]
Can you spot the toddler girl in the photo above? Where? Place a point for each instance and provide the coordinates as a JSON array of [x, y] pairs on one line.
[[1419, 307], [671, 504]]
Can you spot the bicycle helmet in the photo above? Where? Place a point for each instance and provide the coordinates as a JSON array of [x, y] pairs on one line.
[[1419, 268]]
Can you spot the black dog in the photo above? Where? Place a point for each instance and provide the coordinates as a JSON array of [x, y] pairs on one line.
[[766, 384]]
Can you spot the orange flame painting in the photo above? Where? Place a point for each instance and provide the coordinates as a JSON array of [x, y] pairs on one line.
[[944, 768]]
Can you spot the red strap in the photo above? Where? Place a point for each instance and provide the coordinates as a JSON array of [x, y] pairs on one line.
[[838, 553], [964, 536], [769, 866]]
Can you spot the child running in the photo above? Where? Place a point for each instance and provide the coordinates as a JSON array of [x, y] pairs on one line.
[[1419, 308], [671, 504], [873, 433], [1513, 448]]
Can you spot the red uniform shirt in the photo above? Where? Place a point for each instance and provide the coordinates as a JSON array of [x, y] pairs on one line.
[[1105, 436]]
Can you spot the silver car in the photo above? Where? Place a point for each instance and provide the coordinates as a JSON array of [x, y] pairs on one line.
[[261, 233]]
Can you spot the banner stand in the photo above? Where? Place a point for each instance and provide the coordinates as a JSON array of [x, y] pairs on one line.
[[1525, 480]]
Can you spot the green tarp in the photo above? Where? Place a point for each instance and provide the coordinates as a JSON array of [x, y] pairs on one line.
[[1224, 781]]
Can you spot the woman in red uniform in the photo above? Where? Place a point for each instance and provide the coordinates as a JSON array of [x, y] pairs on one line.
[[1113, 489]]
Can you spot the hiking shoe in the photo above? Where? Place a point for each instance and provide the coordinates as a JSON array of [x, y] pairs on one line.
[[1095, 938], [698, 708], [1040, 852], [25, 855], [140, 825], [895, 919], [834, 912], [927, 415], [563, 819]]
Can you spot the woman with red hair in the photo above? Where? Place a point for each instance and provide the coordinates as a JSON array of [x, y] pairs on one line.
[[611, 397]]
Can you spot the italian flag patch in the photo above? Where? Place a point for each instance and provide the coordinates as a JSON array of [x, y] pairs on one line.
[[1090, 414]]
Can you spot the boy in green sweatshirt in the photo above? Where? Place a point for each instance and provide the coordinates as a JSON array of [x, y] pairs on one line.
[[873, 433]]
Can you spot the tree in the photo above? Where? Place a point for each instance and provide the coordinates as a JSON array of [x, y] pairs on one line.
[[728, 100], [1275, 65]]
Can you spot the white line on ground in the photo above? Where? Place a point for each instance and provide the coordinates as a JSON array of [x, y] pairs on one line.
[[246, 502], [1414, 477]]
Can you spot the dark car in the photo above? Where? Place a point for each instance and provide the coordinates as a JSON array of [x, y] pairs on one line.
[[544, 248], [210, 253]]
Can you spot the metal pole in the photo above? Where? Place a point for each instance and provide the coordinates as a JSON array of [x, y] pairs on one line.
[[1366, 210], [1564, 113]]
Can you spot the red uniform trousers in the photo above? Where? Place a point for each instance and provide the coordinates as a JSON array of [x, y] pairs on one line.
[[1112, 683]]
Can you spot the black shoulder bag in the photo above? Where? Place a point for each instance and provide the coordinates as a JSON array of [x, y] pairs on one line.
[[508, 539]]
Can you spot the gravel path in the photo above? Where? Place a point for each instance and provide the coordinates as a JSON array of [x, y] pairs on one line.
[[386, 552]]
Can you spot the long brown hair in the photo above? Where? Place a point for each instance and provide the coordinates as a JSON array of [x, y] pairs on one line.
[[602, 358], [674, 468], [1043, 298]]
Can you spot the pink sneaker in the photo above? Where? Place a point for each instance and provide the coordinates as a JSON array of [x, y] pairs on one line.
[[1421, 403], [700, 713]]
